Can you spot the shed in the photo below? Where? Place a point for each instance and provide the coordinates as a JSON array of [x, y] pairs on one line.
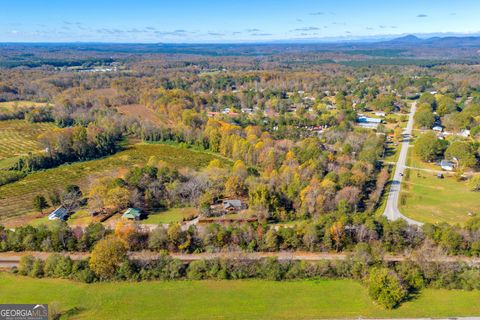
[[132, 214]]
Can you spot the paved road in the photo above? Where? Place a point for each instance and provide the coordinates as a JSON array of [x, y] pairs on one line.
[[391, 210], [12, 259]]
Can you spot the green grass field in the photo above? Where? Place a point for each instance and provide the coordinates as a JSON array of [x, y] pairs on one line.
[[170, 216], [16, 198], [414, 161], [18, 137], [81, 217], [392, 153], [430, 199], [239, 299]]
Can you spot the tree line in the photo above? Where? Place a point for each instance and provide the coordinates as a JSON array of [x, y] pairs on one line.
[[329, 233], [389, 284]]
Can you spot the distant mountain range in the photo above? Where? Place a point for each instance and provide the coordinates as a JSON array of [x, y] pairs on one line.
[[433, 42], [434, 46]]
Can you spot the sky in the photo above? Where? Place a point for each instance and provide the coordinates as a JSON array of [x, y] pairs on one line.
[[189, 21]]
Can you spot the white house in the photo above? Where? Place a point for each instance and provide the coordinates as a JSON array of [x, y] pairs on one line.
[[464, 133], [447, 165], [365, 119]]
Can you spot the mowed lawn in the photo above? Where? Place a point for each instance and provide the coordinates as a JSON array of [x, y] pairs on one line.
[[16, 198], [224, 299], [430, 199], [18, 137], [170, 216], [413, 160]]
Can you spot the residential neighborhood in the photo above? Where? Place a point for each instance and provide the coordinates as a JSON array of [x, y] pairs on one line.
[[197, 160]]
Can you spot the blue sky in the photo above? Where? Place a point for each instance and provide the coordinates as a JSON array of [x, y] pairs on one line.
[[230, 21]]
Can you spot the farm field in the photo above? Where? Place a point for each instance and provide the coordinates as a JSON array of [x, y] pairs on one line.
[[16, 198], [170, 216], [429, 199], [227, 299], [18, 137]]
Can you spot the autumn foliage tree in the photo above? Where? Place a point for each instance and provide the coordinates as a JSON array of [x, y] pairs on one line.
[[337, 234], [126, 231], [106, 256]]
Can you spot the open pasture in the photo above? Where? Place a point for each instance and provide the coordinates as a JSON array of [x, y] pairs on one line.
[[227, 299], [426, 198]]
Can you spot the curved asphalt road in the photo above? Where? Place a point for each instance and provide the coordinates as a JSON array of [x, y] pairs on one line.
[[391, 210]]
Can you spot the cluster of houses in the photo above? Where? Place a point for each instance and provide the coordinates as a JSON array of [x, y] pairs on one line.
[[442, 134], [229, 112], [445, 164], [307, 102], [223, 207]]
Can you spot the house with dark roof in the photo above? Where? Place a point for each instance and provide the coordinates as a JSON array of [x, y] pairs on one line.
[[233, 205]]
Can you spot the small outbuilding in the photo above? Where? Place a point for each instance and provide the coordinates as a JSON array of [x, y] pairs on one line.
[[133, 214]]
